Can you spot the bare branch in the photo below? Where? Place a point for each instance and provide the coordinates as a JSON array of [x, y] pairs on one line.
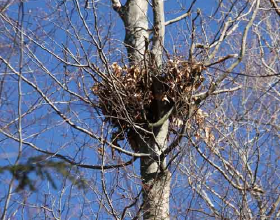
[[68, 121], [218, 91], [6, 5], [214, 85], [275, 6], [161, 121], [70, 160], [177, 19], [222, 59], [273, 207]]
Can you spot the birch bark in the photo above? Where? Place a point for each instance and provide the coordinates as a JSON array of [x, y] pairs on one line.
[[155, 176]]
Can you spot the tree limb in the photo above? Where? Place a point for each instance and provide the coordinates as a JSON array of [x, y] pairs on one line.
[[67, 120], [273, 207], [162, 120], [214, 85], [218, 91], [275, 6], [177, 19], [222, 59], [70, 160]]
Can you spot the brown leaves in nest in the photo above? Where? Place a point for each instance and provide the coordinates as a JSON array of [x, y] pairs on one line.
[[182, 78], [204, 132], [128, 97]]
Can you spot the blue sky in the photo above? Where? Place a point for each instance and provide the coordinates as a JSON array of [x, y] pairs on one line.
[[62, 137]]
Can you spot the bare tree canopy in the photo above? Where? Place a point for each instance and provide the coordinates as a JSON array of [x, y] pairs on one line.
[[137, 109]]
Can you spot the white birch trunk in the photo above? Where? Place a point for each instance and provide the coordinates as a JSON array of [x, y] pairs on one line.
[[155, 176]]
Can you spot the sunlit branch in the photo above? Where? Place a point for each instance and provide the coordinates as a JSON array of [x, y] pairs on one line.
[[273, 207], [7, 4], [263, 55], [215, 84], [177, 19], [222, 59], [218, 43], [218, 92], [202, 193], [227, 30], [217, 167]]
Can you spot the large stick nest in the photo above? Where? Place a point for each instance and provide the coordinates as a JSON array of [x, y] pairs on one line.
[[129, 97]]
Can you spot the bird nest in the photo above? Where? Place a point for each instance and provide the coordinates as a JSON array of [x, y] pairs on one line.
[[128, 97]]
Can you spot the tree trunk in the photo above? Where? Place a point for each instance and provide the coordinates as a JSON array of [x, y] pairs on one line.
[[134, 16], [155, 176]]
